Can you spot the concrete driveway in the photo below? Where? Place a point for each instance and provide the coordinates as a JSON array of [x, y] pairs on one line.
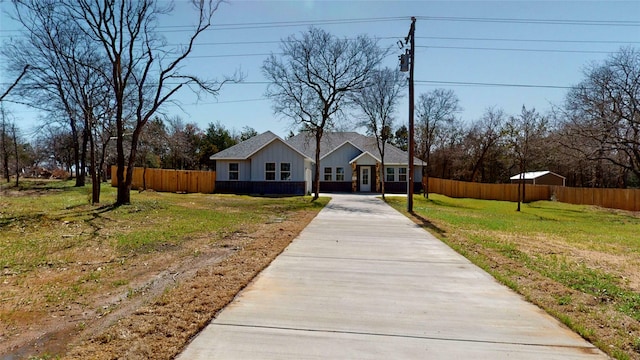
[[364, 282]]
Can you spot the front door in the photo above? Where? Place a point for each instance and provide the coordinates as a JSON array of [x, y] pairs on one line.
[[365, 179]]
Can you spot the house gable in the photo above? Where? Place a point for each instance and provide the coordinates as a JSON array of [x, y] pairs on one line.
[[277, 152], [341, 155], [366, 158], [244, 149]]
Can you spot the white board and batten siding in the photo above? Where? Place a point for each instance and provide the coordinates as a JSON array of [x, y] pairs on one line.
[[278, 153], [244, 170], [340, 158], [367, 160]]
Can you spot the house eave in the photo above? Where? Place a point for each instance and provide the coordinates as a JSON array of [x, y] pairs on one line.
[[340, 146]]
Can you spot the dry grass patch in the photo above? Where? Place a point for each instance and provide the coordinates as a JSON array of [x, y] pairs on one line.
[[73, 274]]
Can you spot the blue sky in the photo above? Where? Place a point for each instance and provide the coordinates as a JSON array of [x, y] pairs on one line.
[[546, 43]]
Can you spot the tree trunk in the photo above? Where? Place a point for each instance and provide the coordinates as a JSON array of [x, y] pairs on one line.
[[520, 183], [15, 148], [95, 172], [382, 175], [101, 165], [478, 164], [426, 175], [82, 171], [316, 176], [76, 152], [144, 177], [5, 151], [126, 195], [123, 195]]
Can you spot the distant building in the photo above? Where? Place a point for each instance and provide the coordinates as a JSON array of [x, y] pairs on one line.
[[349, 162], [540, 178]]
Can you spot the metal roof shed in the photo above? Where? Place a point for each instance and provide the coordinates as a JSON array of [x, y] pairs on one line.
[[540, 178]]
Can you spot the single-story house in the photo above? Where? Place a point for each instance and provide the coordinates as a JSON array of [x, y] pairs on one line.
[[540, 178], [349, 162]]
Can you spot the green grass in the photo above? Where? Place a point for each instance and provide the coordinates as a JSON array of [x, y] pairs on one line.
[[169, 222], [583, 226], [41, 228], [566, 243], [496, 225]]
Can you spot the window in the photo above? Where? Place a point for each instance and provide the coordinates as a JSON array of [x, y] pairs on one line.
[[328, 174], [402, 174], [285, 171], [391, 174], [233, 171], [365, 176], [270, 171], [339, 174]]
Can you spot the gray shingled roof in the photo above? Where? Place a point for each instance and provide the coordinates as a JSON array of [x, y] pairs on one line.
[[306, 144], [246, 148]]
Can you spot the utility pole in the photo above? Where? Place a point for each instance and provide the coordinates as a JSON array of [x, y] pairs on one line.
[[407, 61]]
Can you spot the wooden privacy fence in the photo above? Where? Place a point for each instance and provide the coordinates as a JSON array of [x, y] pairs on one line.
[[503, 192], [625, 199], [163, 180]]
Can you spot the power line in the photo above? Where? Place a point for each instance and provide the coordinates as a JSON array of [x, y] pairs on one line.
[[437, 38], [280, 24], [273, 41], [466, 83], [227, 102], [254, 25], [528, 40], [515, 49], [301, 22], [533, 21], [230, 55], [460, 83]]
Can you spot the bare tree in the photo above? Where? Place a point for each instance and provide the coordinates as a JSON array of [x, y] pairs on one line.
[[5, 142], [143, 71], [178, 143], [377, 102], [435, 110], [311, 81], [483, 136], [152, 147], [48, 39], [603, 112], [56, 139], [11, 146], [22, 73], [447, 145], [524, 133], [16, 154]]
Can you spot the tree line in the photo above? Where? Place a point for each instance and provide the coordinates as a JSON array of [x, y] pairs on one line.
[[101, 73], [592, 138], [165, 143]]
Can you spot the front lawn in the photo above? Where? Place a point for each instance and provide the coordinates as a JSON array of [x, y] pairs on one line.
[[73, 274], [580, 263]]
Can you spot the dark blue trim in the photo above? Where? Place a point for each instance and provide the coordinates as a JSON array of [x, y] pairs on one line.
[[261, 187]]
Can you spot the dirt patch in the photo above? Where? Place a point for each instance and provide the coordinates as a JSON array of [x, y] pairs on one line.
[[150, 306]]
